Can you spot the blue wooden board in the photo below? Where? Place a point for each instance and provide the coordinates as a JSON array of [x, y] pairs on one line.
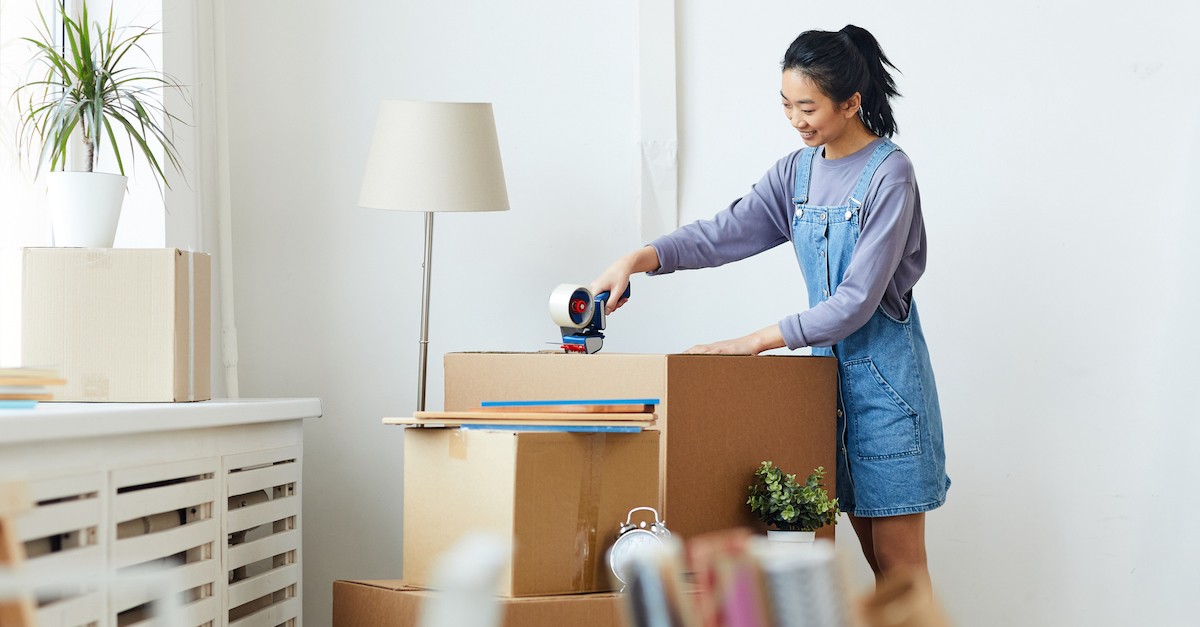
[[555, 428], [601, 401]]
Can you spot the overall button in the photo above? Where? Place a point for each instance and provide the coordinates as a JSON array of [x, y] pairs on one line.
[[826, 293], [848, 214], [799, 213], [822, 217], [821, 253]]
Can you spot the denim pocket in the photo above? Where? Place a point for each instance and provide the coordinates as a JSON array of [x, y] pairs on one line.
[[885, 425]]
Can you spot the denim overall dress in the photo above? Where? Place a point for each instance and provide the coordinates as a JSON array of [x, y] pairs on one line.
[[890, 458]]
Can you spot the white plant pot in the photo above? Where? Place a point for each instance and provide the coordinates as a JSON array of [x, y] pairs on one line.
[[791, 541], [85, 207]]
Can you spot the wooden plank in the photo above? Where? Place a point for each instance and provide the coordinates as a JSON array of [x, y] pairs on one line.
[[263, 478], [605, 402], [27, 381], [154, 473], [149, 501], [80, 559], [278, 578], [264, 457], [240, 555], [85, 609], [244, 518], [272, 615], [54, 488], [153, 546], [181, 578], [481, 416], [56, 518], [565, 408], [200, 612], [566, 424]]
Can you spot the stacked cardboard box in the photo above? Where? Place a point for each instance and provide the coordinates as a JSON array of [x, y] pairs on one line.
[[719, 416], [561, 496], [556, 498], [388, 603]]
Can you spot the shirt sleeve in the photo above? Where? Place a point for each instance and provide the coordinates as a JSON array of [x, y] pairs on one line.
[[881, 245], [756, 222]]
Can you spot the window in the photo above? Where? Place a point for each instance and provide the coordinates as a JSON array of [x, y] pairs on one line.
[[23, 219]]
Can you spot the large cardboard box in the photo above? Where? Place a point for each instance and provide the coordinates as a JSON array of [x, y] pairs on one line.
[[720, 416], [556, 498], [393, 604], [120, 325]]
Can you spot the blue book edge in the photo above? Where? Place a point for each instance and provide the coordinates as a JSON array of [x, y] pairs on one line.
[[601, 401], [555, 428]]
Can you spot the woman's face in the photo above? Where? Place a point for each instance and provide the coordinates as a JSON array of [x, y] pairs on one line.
[[818, 119]]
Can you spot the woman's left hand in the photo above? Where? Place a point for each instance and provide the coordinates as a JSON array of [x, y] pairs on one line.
[[753, 344], [738, 346]]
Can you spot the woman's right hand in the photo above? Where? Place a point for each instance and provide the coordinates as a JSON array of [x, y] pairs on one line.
[[615, 279]]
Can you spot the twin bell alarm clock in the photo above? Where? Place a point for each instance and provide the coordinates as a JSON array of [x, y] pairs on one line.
[[634, 540]]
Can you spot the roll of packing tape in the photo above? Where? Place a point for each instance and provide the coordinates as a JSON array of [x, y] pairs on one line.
[[571, 306]]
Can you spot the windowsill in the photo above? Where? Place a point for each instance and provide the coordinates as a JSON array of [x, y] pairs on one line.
[[58, 421]]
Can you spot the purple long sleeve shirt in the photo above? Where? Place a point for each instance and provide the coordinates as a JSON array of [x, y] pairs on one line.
[[887, 261]]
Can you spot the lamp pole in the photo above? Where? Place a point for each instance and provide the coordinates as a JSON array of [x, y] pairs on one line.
[[423, 351]]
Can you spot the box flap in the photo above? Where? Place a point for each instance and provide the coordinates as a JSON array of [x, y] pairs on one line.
[[544, 376], [726, 414]]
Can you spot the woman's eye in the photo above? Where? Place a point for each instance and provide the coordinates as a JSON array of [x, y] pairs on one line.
[[808, 111]]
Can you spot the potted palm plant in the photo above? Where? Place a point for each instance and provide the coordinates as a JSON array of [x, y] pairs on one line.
[[795, 510], [92, 97]]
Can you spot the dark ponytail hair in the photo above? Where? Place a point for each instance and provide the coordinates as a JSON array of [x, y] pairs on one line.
[[845, 62]]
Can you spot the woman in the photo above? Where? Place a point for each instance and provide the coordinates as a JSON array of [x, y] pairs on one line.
[[849, 204]]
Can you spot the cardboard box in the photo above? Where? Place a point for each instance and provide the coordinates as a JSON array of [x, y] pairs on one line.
[[393, 604], [557, 498], [120, 325], [720, 416]]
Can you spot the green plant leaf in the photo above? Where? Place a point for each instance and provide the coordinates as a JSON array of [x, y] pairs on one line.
[[89, 86], [777, 499]]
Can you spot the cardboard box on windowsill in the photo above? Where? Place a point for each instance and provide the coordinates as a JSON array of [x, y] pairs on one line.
[[119, 324], [720, 416], [394, 604]]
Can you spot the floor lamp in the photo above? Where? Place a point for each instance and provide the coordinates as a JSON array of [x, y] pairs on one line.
[[430, 157]]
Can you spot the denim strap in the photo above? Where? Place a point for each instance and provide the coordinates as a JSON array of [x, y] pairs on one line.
[[803, 174], [864, 182]]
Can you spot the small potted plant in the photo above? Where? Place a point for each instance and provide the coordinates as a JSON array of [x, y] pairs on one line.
[[91, 96], [795, 510]]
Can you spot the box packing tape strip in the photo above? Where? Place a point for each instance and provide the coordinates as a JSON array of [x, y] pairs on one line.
[[191, 361], [458, 443], [587, 527]]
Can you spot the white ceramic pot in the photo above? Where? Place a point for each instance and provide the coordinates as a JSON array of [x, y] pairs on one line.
[[791, 540], [85, 207]]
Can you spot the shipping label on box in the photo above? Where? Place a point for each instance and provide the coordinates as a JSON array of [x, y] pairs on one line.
[[556, 498], [120, 325]]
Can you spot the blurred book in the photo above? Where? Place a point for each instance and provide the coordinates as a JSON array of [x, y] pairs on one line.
[[23, 387]]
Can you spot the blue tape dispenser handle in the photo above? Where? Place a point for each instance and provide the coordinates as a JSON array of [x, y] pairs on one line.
[[602, 297]]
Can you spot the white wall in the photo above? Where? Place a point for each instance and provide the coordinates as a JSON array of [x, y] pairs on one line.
[[1056, 145]]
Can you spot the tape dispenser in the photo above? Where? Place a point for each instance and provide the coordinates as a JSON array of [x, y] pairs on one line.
[[580, 316]]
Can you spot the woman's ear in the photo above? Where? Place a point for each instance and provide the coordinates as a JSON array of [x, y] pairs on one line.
[[851, 105]]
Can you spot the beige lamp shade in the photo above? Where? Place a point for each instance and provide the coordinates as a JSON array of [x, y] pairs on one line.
[[434, 156]]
